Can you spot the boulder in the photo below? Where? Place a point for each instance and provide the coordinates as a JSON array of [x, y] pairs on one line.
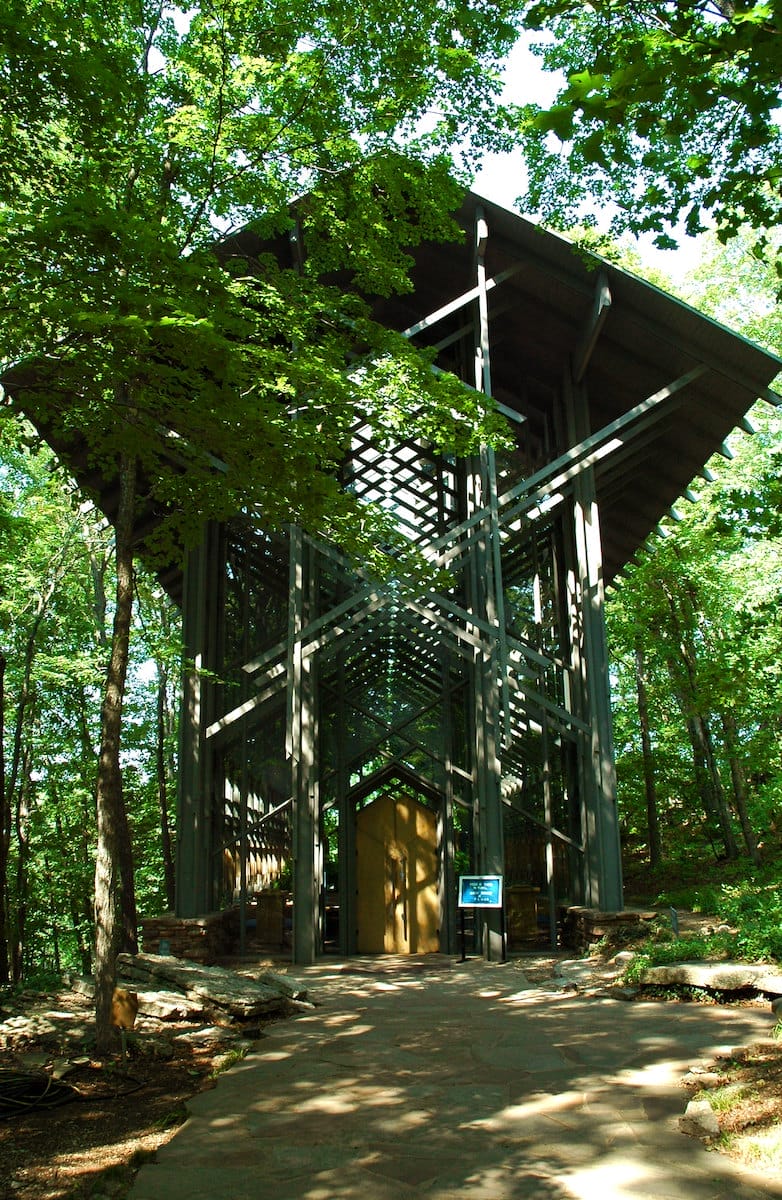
[[702, 1079], [700, 1118], [217, 990], [82, 985], [282, 983], [618, 992], [169, 1006], [719, 976]]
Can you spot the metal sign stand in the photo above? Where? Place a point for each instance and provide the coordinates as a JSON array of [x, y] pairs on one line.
[[482, 891]]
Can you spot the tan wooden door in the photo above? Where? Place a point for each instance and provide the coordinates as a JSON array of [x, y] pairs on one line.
[[398, 904]]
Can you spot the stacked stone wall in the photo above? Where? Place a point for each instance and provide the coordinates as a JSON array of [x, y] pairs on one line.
[[202, 939], [583, 927]]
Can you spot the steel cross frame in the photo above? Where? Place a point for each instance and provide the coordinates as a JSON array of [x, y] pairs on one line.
[[506, 672], [531, 492]]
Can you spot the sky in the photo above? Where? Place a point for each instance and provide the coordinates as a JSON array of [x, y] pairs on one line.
[[501, 178]]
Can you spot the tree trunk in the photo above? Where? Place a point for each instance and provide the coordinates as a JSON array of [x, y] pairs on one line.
[[686, 689], [76, 908], [739, 782], [163, 729], [84, 904], [713, 784], [127, 891], [55, 929], [13, 788], [8, 781], [652, 819], [110, 808], [164, 767], [5, 837], [22, 825]]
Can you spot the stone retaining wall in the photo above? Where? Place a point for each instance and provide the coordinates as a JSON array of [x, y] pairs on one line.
[[583, 927], [201, 939]]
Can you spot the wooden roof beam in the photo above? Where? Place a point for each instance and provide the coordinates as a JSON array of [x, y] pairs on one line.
[[454, 305], [597, 319], [606, 441]]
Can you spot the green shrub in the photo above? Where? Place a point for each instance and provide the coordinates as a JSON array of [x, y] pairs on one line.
[[655, 954], [752, 906]]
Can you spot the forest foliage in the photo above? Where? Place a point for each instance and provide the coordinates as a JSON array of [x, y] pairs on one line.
[[55, 611], [667, 112], [135, 134], [695, 632]]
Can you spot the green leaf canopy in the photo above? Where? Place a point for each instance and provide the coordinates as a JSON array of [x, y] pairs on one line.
[[135, 136], [668, 110]]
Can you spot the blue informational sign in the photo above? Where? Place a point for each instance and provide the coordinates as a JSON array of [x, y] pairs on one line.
[[480, 891]]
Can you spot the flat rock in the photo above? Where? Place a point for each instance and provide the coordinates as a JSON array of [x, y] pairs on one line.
[[51, 1025], [82, 985], [700, 1118], [210, 1035], [281, 983], [166, 1006], [721, 976], [218, 990], [169, 1006], [619, 992], [702, 1079]]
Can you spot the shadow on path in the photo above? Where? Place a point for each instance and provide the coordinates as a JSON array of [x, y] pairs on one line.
[[444, 1080]]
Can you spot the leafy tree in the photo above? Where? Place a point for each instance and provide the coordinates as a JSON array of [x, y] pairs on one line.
[[134, 131], [668, 110], [49, 649], [695, 606], [157, 723], [702, 605]]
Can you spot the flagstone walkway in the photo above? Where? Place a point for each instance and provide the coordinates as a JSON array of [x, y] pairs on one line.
[[439, 1079]]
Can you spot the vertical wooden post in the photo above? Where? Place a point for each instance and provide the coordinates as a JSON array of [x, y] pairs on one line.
[[487, 599], [243, 849], [603, 882], [549, 848], [197, 881], [445, 819], [346, 852], [244, 784], [302, 740]]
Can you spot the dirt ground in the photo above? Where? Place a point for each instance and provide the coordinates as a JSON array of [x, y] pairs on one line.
[[745, 1090], [85, 1135], [115, 1116]]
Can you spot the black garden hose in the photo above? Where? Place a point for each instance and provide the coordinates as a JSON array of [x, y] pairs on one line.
[[23, 1091]]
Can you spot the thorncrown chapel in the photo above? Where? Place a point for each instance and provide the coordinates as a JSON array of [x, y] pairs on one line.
[[373, 745], [348, 749]]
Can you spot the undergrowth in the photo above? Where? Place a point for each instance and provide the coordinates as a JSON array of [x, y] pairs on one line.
[[723, 1099], [655, 953], [749, 909]]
